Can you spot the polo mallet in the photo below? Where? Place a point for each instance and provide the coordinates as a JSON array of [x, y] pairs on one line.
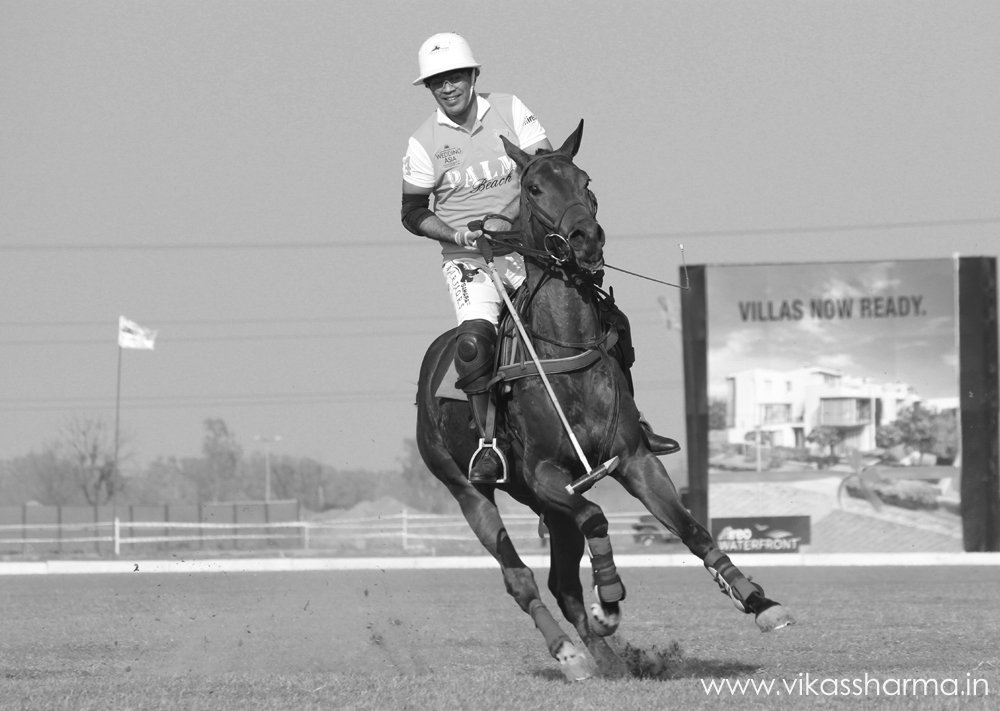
[[593, 475]]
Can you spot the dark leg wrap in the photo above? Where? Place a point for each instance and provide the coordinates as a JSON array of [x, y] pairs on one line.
[[609, 585], [547, 625], [596, 525], [733, 576]]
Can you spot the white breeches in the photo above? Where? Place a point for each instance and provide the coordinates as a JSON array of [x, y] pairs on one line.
[[471, 287]]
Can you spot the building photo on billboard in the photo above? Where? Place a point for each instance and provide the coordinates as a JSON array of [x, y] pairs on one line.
[[848, 400]]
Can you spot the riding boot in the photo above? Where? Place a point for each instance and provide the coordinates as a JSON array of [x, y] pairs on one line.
[[624, 353], [475, 343], [487, 467], [657, 444]]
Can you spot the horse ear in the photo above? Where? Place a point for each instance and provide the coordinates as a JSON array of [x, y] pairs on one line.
[[516, 154], [572, 144]]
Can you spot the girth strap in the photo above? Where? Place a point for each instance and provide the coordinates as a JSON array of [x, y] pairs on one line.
[[554, 366]]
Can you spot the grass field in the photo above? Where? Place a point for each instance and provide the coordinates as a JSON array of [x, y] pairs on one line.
[[455, 640]]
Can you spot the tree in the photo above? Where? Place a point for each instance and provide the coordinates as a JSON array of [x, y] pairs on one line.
[[826, 436], [917, 427], [87, 444], [422, 489], [222, 458], [946, 435], [163, 481], [717, 414], [922, 430], [291, 478], [44, 477]]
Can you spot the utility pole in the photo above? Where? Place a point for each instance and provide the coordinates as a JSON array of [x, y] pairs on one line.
[[268, 441]]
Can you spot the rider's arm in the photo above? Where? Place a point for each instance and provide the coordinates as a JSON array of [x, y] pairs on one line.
[[420, 220], [418, 185]]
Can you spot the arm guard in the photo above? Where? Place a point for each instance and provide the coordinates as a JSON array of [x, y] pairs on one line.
[[415, 210]]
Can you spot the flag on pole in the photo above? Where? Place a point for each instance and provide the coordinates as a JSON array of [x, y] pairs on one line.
[[132, 335]]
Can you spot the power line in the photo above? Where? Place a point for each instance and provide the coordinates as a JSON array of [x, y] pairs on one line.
[[207, 246], [446, 322], [103, 323], [396, 244], [390, 333], [227, 339], [196, 402], [173, 402], [818, 229], [212, 396]]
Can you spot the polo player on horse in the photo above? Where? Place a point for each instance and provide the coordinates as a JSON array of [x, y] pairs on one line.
[[457, 156]]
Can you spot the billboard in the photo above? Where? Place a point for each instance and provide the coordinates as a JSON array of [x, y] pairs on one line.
[[833, 391]]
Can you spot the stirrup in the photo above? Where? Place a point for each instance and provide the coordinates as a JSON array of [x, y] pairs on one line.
[[485, 447]]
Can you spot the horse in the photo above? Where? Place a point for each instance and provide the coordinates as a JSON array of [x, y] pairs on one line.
[[562, 244]]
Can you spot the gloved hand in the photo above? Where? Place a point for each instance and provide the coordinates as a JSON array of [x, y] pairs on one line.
[[467, 238]]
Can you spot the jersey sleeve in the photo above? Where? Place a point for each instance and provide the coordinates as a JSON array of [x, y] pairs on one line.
[[417, 167], [529, 130]]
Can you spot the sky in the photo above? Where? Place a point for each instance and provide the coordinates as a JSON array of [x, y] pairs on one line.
[[228, 173]]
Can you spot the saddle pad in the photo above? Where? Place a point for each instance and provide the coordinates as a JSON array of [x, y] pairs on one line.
[[447, 387]]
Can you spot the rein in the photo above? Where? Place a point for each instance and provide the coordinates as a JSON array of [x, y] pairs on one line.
[[552, 255]]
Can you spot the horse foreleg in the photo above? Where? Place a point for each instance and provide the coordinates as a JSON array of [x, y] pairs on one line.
[[485, 521], [549, 486], [566, 551], [645, 478]]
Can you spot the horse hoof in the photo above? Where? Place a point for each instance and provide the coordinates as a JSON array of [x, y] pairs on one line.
[[573, 663], [603, 622], [774, 618]]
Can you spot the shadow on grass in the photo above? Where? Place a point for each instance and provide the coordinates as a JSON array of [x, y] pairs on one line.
[[548, 674]]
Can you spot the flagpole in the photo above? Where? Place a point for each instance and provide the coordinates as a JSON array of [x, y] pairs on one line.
[[118, 399]]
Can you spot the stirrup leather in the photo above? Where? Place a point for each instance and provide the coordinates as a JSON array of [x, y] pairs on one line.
[[484, 447]]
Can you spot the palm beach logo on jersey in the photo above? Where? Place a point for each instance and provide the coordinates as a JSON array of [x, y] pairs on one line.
[[488, 176]]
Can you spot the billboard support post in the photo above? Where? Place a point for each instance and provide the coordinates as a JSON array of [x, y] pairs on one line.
[[695, 337]]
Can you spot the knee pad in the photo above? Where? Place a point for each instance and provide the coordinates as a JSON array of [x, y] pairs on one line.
[[476, 340], [475, 343]]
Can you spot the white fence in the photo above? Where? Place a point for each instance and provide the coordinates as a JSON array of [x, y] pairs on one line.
[[405, 531]]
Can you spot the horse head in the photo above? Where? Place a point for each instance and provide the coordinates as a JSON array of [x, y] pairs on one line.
[[558, 211]]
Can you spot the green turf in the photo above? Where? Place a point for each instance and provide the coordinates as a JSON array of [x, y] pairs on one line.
[[455, 640]]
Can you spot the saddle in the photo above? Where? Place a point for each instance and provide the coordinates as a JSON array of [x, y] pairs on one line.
[[512, 361]]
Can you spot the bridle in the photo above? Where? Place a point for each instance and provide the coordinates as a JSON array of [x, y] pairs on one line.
[[556, 249]]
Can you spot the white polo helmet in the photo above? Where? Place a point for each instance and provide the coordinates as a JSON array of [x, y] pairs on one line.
[[442, 53]]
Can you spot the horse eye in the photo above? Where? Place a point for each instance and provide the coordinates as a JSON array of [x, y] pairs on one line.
[[534, 190]]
